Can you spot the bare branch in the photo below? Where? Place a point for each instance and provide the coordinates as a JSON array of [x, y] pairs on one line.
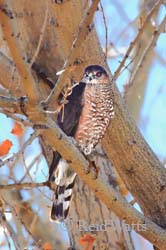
[[10, 80], [15, 117], [29, 167], [106, 31], [9, 77], [21, 151], [13, 100], [9, 28], [82, 33], [41, 36], [147, 50], [132, 44], [24, 214], [10, 230], [108, 195], [12, 104], [26, 185]]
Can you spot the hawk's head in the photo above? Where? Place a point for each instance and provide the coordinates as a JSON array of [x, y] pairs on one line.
[[95, 74]]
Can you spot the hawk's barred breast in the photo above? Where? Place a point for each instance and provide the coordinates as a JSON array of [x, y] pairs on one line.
[[96, 115]]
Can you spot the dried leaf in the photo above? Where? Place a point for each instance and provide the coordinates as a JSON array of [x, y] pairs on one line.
[[87, 241], [47, 246], [5, 147], [17, 129]]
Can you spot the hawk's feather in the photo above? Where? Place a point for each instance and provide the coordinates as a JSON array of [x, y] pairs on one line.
[[72, 112], [63, 193]]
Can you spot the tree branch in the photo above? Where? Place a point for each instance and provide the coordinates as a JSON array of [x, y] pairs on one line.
[[82, 33], [10, 80], [25, 185], [12, 103], [41, 36], [21, 151], [10, 230], [10, 32], [108, 195], [144, 55], [132, 44]]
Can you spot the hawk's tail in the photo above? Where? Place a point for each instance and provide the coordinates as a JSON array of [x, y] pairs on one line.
[[64, 179], [61, 203]]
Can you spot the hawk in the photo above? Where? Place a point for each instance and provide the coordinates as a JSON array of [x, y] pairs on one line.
[[86, 117]]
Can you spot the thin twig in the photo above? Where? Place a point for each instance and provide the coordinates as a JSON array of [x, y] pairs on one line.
[[8, 228], [106, 31], [16, 118], [10, 99], [26, 185], [29, 167], [132, 202], [6, 59], [82, 33], [132, 44], [40, 37], [28, 173], [145, 53], [17, 155]]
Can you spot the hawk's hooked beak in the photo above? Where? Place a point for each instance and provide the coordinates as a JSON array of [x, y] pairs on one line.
[[87, 78], [90, 76]]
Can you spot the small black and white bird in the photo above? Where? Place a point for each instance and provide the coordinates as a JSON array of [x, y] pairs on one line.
[[86, 117]]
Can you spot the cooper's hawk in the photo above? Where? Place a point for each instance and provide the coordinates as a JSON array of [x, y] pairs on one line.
[[86, 116]]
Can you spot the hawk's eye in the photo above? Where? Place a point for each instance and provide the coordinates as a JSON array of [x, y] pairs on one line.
[[99, 73]]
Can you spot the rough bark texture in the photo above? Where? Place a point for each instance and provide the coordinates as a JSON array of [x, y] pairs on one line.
[[140, 169]]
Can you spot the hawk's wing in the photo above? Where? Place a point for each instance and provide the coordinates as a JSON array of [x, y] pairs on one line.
[[72, 112]]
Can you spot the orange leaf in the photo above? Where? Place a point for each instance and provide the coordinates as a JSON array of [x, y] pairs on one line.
[[87, 241], [47, 246], [5, 147], [17, 129]]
